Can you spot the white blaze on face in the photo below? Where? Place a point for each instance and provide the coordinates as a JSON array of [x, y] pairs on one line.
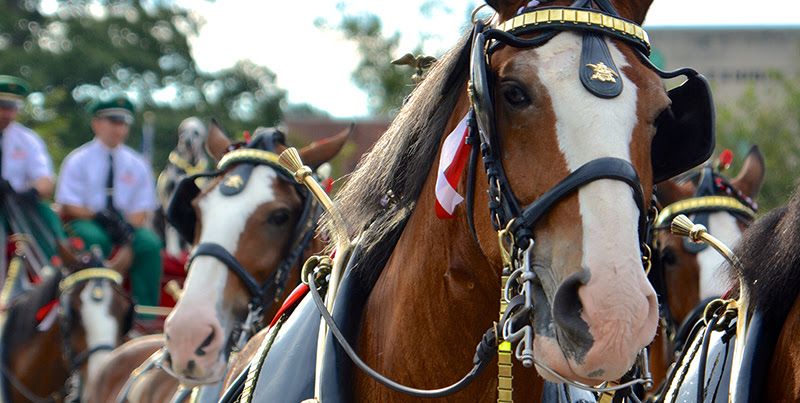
[[223, 221], [590, 127], [713, 281], [618, 302], [101, 327]]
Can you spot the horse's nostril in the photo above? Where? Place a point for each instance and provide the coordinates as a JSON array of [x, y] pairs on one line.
[[567, 308], [201, 350]]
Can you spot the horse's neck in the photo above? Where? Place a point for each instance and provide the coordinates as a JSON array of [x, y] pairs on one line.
[[437, 262], [784, 373], [434, 300], [38, 364]]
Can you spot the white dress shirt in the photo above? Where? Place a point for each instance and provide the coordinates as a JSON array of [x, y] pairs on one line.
[[83, 176], [25, 158]]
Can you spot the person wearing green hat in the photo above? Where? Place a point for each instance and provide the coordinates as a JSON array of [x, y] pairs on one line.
[[107, 189], [25, 166]]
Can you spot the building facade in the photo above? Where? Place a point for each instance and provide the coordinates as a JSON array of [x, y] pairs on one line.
[[732, 58]]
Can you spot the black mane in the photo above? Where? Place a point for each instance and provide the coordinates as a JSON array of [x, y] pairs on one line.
[[399, 162], [770, 255]]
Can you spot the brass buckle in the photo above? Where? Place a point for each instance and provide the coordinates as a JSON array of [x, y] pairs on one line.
[[505, 239], [647, 258]]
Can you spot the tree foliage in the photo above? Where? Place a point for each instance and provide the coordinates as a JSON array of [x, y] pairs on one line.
[[385, 84], [86, 50], [774, 125]]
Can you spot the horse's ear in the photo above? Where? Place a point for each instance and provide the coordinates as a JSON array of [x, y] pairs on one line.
[[668, 192], [751, 177], [68, 256], [317, 153], [634, 10], [216, 140], [506, 8], [122, 260]]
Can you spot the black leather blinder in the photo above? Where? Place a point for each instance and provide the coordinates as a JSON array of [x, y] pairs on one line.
[[180, 212], [685, 138]]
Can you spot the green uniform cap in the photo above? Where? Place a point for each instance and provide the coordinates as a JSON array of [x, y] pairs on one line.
[[12, 91], [118, 109]]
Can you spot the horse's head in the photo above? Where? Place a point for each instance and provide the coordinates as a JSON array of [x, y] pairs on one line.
[[191, 139], [248, 227], [691, 271], [578, 124], [95, 313]]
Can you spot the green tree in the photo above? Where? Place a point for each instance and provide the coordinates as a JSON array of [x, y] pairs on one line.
[[775, 127], [386, 85], [85, 50]]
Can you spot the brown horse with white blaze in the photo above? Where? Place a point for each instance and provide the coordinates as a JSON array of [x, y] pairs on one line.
[[749, 341], [567, 168], [56, 335], [257, 226], [265, 223]]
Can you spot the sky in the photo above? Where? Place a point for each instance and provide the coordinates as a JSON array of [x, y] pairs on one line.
[[315, 64]]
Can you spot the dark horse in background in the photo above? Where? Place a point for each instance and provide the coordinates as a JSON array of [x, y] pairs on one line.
[[55, 335], [186, 159], [753, 353], [685, 274], [566, 160]]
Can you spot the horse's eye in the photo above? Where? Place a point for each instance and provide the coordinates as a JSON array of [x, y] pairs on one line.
[[515, 96], [669, 257], [279, 217]]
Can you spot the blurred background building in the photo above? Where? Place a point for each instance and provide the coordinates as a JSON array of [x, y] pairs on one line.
[[732, 58]]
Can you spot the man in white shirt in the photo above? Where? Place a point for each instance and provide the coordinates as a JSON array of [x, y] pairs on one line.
[[106, 190], [25, 165]]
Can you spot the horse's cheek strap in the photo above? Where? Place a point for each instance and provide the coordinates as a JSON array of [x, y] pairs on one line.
[[601, 168]]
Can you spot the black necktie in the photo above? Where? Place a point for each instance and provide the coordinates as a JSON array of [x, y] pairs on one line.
[[110, 183]]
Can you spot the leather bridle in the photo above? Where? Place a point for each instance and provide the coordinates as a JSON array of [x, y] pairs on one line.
[[75, 361], [262, 294]]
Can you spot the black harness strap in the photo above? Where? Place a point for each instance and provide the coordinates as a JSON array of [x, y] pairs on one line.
[[84, 356], [220, 253], [473, 141], [601, 168]]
